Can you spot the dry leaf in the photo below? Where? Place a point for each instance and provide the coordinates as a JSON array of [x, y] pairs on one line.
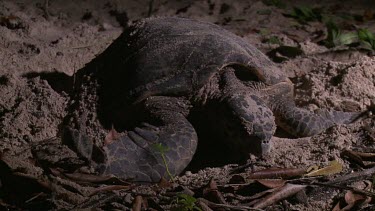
[[368, 14], [312, 168], [353, 156], [272, 183], [337, 207], [355, 199], [366, 156], [111, 136], [333, 168], [11, 22], [352, 200], [213, 194], [163, 183]]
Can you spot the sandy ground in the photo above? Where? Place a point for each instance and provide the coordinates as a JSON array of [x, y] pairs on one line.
[[35, 42]]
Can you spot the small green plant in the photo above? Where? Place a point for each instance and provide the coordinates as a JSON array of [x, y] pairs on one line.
[[305, 14], [186, 202], [162, 149], [366, 38], [267, 38], [276, 3], [264, 32], [274, 40], [336, 37]]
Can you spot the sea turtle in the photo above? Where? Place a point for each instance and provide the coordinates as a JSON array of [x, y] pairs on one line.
[[160, 68]]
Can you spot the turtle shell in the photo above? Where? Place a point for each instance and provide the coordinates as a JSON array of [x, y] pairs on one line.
[[177, 56]]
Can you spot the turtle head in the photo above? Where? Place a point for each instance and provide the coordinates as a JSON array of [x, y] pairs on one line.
[[252, 122], [251, 118]]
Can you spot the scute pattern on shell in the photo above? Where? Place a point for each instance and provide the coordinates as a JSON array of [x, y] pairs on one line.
[[177, 56]]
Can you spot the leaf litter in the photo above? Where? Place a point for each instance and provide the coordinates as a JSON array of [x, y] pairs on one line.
[[325, 85]]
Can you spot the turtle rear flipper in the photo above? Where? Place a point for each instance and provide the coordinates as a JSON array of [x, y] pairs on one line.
[[340, 117], [303, 123]]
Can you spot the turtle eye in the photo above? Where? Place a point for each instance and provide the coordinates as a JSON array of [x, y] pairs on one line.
[[246, 74]]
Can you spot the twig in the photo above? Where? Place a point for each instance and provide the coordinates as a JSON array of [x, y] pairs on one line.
[[83, 46], [356, 190], [213, 193], [74, 78], [95, 201], [137, 203], [46, 5], [335, 183], [110, 188], [90, 178], [228, 206], [252, 197], [240, 168], [46, 185], [204, 206], [150, 8], [370, 131], [355, 176], [34, 197], [297, 180], [279, 194]]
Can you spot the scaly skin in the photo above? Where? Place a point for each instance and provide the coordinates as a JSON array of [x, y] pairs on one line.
[[304, 123], [156, 71], [135, 156]]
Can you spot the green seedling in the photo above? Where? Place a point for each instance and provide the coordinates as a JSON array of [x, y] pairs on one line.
[[276, 3], [274, 40], [336, 37], [267, 38], [366, 38], [264, 32], [305, 14], [186, 202], [162, 149]]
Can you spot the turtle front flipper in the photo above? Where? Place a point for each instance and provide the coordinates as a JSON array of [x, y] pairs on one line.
[[162, 148], [302, 123]]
